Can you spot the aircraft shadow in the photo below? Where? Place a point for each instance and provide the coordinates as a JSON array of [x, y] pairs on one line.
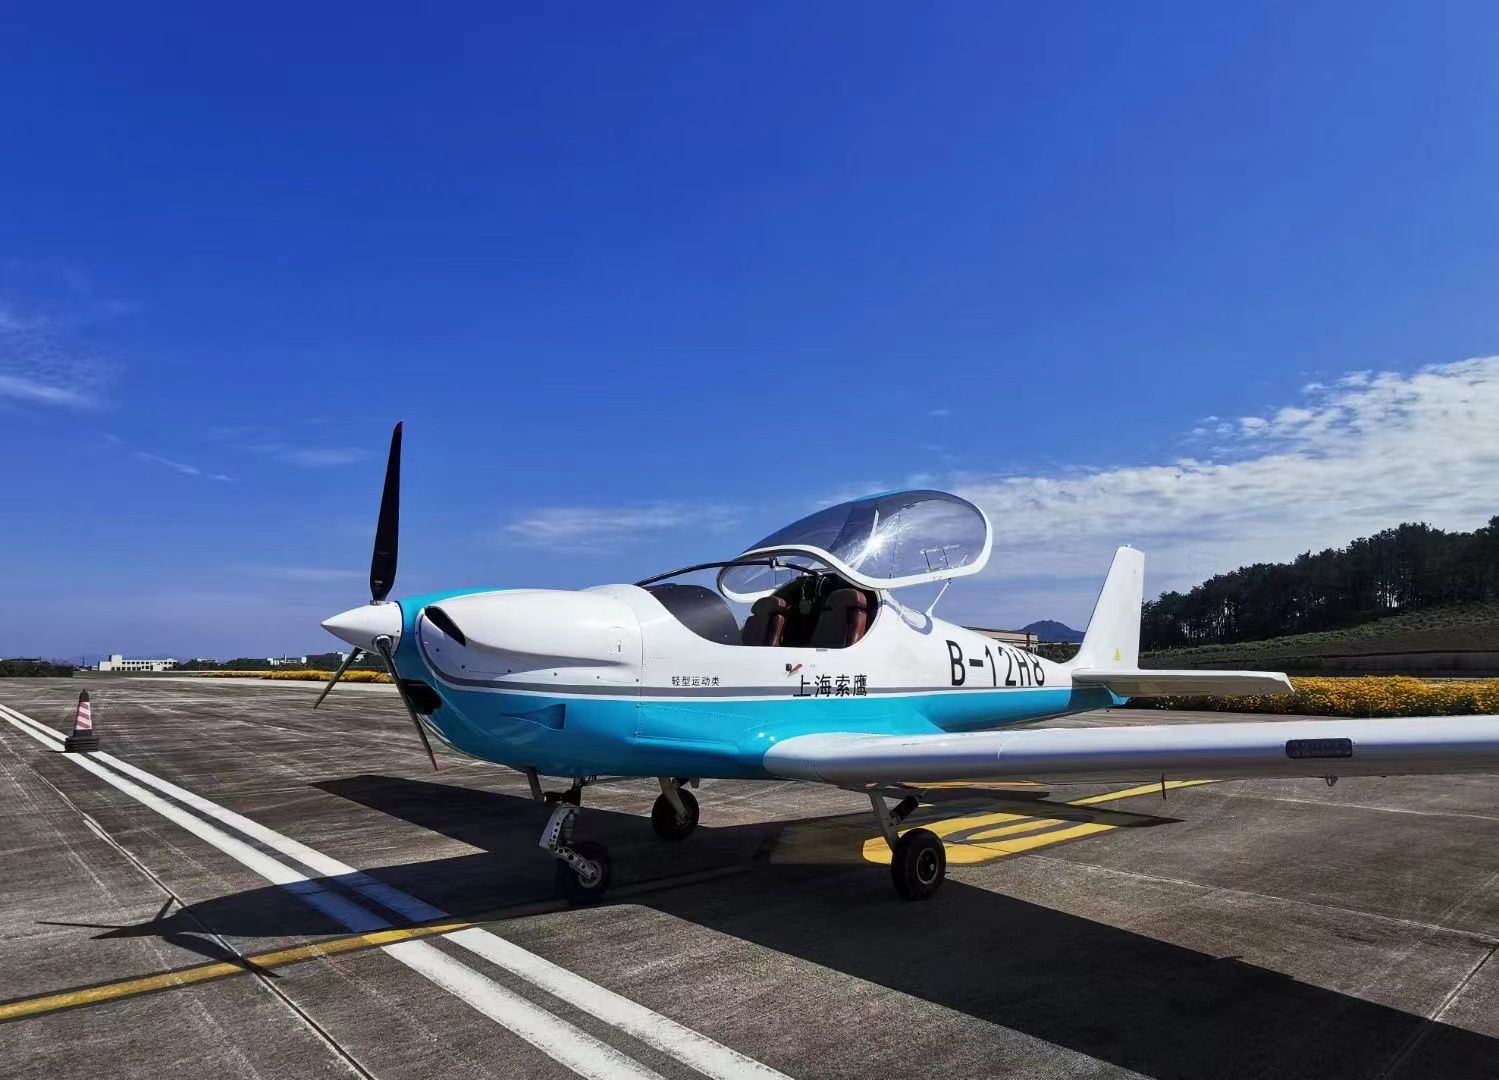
[[1113, 994]]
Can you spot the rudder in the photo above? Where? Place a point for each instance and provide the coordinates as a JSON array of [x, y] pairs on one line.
[[1112, 639]]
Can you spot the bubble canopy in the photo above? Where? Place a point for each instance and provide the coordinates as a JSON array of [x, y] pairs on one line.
[[888, 541]]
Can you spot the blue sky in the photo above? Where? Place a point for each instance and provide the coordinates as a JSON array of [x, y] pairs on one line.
[[645, 283]]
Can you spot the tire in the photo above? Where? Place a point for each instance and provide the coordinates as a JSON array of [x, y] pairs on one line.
[[572, 886], [664, 816], [918, 865]]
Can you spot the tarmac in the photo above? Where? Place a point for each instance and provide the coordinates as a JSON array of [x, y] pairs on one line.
[[240, 886]]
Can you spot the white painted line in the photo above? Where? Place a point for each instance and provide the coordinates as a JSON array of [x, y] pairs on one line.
[[702, 1053], [707, 1056], [558, 1039]]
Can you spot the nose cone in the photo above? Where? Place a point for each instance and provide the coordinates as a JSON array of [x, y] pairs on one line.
[[362, 625]]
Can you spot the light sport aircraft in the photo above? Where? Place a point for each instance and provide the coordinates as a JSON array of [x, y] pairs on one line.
[[829, 678]]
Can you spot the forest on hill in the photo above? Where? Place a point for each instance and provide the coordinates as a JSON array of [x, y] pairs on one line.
[[1400, 570]]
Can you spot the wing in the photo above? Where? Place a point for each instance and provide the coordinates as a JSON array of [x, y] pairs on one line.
[[1443, 744], [1134, 682]]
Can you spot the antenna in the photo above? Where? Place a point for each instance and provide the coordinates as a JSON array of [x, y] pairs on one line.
[[938, 597]]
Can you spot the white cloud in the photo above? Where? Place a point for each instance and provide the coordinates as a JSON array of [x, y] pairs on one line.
[[597, 530], [1365, 453], [321, 458], [180, 466], [306, 574], [30, 390], [36, 368], [311, 457], [939, 413]]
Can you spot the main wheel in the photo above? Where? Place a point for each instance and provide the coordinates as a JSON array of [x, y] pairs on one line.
[[664, 816], [918, 865], [580, 889]]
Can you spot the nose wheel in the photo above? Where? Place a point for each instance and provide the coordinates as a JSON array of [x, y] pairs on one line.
[[675, 813], [582, 872], [584, 878]]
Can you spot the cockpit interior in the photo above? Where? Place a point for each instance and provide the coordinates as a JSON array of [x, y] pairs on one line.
[[839, 560], [815, 610]]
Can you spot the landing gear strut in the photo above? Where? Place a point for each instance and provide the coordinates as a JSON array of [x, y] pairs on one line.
[[582, 867], [918, 861], [675, 813]]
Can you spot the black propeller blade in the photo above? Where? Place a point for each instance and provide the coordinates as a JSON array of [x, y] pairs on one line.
[[352, 658], [388, 528], [383, 558], [383, 645]]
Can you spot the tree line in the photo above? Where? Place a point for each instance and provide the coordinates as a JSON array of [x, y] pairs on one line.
[[315, 662], [27, 668], [1407, 568]]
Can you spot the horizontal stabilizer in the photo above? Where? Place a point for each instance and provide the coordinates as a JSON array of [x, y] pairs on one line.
[[1137, 683]]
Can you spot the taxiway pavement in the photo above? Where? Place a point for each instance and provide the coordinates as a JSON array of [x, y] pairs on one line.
[[243, 887]]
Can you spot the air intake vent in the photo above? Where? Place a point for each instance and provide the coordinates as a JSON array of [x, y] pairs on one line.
[[423, 698], [444, 622]]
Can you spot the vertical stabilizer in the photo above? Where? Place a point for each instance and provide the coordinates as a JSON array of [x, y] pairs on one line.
[[1112, 639]]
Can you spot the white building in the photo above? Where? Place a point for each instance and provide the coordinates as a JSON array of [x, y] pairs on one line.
[[116, 662], [286, 661], [1009, 637]]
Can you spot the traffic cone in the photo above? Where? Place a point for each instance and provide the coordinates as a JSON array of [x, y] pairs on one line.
[[84, 739]]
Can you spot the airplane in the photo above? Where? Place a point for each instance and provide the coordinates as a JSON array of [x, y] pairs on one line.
[[798, 660]]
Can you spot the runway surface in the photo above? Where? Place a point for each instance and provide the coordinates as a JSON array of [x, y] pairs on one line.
[[242, 887]]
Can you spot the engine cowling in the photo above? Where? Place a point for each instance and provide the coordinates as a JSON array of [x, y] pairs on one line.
[[550, 636]]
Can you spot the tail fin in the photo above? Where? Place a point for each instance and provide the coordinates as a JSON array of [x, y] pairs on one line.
[[1112, 640]]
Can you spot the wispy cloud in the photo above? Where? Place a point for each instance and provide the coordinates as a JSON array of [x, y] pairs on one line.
[[1364, 452], [311, 457], [322, 457], [180, 466], [38, 368], [939, 413], [597, 530], [304, 574], [31, 390]]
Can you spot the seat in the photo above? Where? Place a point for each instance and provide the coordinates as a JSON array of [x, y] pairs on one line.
[[766, 624], [844, 619]]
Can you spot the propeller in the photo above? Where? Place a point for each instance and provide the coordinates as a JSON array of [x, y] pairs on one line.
[[383, 645], [382, 579], [388, 526], [352, 658]]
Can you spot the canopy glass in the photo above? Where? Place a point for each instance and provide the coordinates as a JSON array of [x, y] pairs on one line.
[[886, 541]]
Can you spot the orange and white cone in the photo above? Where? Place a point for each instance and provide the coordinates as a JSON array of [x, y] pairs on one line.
[[84, 738]]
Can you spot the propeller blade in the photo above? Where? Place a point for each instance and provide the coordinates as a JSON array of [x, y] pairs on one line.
[[388, 528], [352, 658], [383, 644]]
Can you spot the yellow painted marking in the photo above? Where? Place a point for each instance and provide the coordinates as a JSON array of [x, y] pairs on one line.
[[92, 995], [981, 843], [1143, 789], [1011, 830]]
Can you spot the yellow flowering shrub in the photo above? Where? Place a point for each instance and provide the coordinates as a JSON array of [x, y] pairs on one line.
[[1372, 695], [300, 675]]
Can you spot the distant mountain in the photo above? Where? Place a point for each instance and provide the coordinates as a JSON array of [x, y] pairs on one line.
[[1051, 630]]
